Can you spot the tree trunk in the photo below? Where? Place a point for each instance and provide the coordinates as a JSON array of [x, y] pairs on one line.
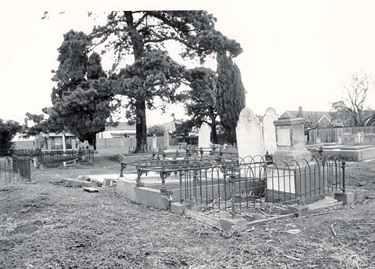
[[140, 105], [141, 127], [95, 142], [359, 118], [91, 139], [214, 138]]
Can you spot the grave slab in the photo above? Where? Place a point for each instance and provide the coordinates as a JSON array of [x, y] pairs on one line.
[[76, 183], [347, 198]]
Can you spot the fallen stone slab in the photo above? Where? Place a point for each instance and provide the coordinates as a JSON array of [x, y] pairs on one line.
[[263, 221], [298, 210], [226, 224], [75, 183], [90, 189], [102, 180], [323, 203]]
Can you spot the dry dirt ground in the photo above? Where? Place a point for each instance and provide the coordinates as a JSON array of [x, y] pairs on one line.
[[44, 225]]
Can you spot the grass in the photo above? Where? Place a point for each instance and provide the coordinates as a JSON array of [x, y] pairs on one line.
[[43, 225]]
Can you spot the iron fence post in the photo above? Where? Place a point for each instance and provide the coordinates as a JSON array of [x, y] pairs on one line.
[[122, 167], [195, 178], [320, 151], [163, 176], [233, 182], [343, 163], [181, 175]]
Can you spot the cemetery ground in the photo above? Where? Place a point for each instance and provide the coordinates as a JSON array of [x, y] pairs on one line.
[[44, 225]]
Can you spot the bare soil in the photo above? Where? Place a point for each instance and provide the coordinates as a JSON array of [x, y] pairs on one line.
[[44, 225]]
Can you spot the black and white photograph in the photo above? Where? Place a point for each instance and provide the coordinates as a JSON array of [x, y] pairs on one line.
[[187, 134]]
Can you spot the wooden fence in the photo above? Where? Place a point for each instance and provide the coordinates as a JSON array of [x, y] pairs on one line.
[[330, 135]]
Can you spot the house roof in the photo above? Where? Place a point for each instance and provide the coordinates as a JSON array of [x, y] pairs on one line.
[[324, 117], [52, 134], [122, 126], [313, 116]]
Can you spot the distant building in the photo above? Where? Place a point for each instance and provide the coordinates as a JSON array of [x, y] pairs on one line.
[[314, 119], [123, 129], [22, 137], [55, 141], [324, 122]]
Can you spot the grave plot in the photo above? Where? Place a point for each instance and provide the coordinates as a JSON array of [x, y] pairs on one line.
[[253, 184]]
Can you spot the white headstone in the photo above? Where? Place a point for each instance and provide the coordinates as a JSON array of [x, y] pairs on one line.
[[63, 141], [166, 139], [154, 144], [249, 135], [204, 138], [269, 130]]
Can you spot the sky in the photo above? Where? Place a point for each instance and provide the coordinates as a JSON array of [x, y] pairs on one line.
[[295, 53]]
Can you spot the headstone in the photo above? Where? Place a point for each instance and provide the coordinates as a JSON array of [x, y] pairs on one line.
[[292, 159], [204, 140], [249, 135], [154, 143], [269, 131], [166, 139], [63, 141], [290, 137]]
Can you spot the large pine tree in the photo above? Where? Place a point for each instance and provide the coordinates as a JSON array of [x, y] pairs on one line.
[[154, 74], [200, 101], [231, 95], [82, 99]]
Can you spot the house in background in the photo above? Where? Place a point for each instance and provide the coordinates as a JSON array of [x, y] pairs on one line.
[[324, 122], [55, 141], [19, 137], [123, 129], [314, 119]]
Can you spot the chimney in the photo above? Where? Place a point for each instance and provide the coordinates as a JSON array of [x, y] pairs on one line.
[[300, 112]]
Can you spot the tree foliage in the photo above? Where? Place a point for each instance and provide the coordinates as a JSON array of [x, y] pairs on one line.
[[340, 112], [82, 99], [8, 130], [157, 129], [154, 74], [356, 91], [183, 128], [230, 97], [200, 100], [351, 108]]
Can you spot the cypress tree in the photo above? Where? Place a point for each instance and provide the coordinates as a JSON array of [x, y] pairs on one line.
[[231, 95]]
